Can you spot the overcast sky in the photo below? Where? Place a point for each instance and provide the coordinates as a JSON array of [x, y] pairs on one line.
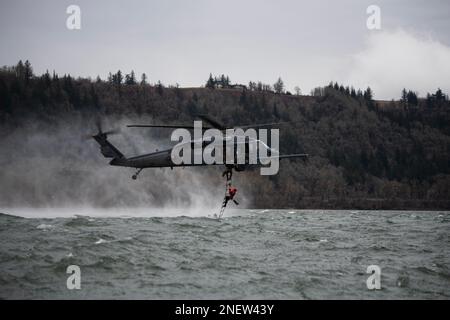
[[307, 43]]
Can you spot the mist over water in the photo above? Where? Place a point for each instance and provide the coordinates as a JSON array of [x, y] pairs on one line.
[[122, 212], [50, 165]]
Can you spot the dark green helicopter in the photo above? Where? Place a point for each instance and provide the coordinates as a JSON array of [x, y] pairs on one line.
[[163, 159]]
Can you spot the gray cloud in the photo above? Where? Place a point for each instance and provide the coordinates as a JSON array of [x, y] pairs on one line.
[[394, 60]]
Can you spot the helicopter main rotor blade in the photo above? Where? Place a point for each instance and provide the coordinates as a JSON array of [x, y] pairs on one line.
[[163, 126], [216, 124], [264, 124]]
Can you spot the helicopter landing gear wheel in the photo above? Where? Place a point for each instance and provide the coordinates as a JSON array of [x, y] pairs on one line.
[[134, 176]]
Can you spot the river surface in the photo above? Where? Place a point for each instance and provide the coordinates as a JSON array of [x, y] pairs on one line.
[[249, 254]]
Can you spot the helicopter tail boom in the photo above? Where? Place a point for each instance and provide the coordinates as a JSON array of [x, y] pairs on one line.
[[106, 148]]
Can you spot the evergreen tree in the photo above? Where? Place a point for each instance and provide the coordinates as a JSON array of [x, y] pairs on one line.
[[117, 78], [160, 88], [55, 77], [20, 70], [143, 79], [46, 79], [130, 79], [223, 81], [28, 71], [404, 97], [347, 90], [439, 96], [278, 86], [210, 83], [412, 98], [429, 100], [259, 86], [368, 95]]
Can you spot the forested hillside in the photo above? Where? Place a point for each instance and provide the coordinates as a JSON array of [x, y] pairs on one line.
[[363, 153]]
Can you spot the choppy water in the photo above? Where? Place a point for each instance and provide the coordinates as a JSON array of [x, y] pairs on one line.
[[268, 254]]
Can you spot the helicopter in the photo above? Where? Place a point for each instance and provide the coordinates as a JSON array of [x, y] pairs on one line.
[[164, 158]]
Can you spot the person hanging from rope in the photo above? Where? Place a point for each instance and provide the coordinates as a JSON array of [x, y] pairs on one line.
[[230, 195]]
